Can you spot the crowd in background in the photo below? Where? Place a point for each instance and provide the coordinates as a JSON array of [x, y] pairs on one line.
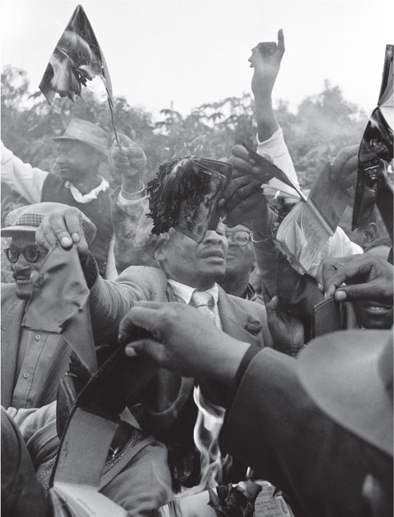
[[238, 390]]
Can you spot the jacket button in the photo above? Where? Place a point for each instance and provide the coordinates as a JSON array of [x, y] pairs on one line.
[[26, 375], [38, 337]]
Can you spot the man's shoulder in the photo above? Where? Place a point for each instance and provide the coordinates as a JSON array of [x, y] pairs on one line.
[[142, 273], [7, 291], [151, 279]]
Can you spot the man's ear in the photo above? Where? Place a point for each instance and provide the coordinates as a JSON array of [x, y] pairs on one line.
[[370, 233]]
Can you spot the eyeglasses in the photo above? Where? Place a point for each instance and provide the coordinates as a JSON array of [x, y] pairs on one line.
[[31, 253], [240, 238]]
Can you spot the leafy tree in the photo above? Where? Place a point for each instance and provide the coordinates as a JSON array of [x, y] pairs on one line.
[[322, 125], [320, 128]]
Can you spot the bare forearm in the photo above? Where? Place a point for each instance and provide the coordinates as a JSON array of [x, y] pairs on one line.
[[266, 120]]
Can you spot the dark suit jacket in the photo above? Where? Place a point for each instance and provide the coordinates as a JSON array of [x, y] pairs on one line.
[[52, 360], [274, 427], [110, 301]]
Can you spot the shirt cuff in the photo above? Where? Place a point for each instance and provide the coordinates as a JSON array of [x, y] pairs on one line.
[[249, 354], [272, 143], [126, 197]]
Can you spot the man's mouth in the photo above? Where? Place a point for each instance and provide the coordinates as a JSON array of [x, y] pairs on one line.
[[376, 309], [21, 280], [213, 253], [63, 168]]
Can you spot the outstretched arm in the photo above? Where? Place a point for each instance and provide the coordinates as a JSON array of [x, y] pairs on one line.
[[209, 353], [265, 59], [25, 179]]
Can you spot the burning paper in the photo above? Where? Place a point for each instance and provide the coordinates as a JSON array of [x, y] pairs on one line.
[[376, 145], [185, 193], [260, 499]]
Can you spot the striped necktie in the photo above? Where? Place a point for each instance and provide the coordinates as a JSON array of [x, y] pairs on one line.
[[204, 302]]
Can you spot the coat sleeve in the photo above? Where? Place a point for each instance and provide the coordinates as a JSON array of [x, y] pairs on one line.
[[134, 242], [274, 427], [144, 484], [24, 178], [111, 300]]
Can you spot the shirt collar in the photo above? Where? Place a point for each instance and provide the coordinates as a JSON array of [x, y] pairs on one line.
[[86, 198], [185, 291]]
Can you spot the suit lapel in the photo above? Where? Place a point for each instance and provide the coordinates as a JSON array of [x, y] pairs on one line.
[[11, 325], [236, 322]]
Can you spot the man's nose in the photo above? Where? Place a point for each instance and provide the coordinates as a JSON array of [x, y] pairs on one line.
[[21, 264], [214, 238]]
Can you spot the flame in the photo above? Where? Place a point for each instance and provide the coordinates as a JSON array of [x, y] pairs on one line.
[[206, 437]]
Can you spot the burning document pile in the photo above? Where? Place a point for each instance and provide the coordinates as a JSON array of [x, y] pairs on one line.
[[306, 229], [231, 501]]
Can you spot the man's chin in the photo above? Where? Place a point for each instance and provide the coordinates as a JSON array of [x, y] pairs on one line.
[[24, 292], [67, 174]]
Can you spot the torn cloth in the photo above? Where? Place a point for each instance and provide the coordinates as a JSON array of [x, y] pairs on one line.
[[60, 303]]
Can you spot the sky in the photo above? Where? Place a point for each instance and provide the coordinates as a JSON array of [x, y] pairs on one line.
[[184, 53]]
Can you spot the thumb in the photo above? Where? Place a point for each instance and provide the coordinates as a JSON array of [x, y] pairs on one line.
[[148, 347], [281, 41], [350, 293], [265, 293], [272, 305]]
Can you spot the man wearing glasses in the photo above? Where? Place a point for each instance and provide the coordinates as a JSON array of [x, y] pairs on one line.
[[240, 263], [32, 363]]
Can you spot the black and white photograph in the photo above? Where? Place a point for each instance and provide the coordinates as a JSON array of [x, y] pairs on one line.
[[197, 273]]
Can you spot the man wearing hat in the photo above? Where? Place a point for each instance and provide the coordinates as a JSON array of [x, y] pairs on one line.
[[81, 150], [320, 428], [32, 363]]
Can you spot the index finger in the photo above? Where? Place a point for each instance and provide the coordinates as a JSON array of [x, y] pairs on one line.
[[353, 268], [240, 152], [281, 40], [65, 228], [235, 185]]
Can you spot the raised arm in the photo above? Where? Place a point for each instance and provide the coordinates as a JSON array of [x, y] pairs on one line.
[[265, 59], [133, 238], [22, 177]]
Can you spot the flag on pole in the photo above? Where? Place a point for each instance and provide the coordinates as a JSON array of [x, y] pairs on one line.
[[77, 58]]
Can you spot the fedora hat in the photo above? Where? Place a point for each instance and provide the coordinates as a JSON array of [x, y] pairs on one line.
[[28, 219], [87, 133], [349, 375]]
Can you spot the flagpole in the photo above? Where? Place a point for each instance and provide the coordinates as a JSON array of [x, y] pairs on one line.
[[113, 121]]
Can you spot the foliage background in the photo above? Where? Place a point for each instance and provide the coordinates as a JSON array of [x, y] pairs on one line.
[[322, 125]]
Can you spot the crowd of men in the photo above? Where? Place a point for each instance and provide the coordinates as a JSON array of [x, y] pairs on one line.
[[227, 323]]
